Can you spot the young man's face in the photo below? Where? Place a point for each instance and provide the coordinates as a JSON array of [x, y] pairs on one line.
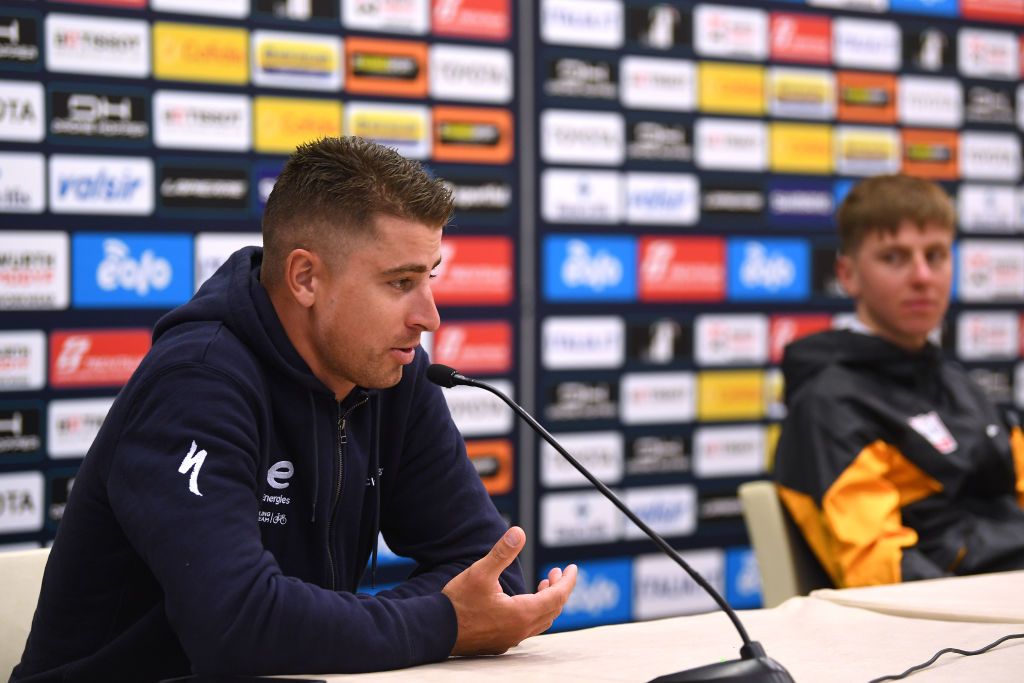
[[901, 281], [369, 315]]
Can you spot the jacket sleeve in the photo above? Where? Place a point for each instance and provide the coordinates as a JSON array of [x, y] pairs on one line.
[[437, 510], [183, 485]]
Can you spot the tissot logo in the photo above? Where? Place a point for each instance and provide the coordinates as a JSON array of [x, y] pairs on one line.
[[20, 430], [589, 268], [483, 19], [866, 43], [580, 400], [22, 182], [658, 342], [682, 269], [656, 83], [990, 270], [736, 450], [480, 415], [582, 342], [660, 141], [72, 425], [474, 347], [474, 271], [97, 45], [33, 270], [658, 27], [801, 93], [652, 398], [598, 23], [403, 127], [800, 202], [391, 16], [987, 335], [127, 270], [300, 61], [21, 502], [724, 144], [96, 358], [988, 54], [730, 339], [661, 198], [471, 74], [582, 137], [22, 360], [108, 114], [990, 156], [658, 454], [722, 31], [188, 186], [21, 111], [603, 595], [669, 510], [768, 269], [600, 452], [569, 196], [587, 78], [298, 10], [19, 39], [988, 208], [801, 38], [104, 185], [386, 67], [193, 120], [661, 590], [989, 104], [926, 101]]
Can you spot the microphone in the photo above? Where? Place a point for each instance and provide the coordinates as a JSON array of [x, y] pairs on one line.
[[754, 665]]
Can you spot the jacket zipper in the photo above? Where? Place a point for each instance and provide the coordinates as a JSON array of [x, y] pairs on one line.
[[342, 440]]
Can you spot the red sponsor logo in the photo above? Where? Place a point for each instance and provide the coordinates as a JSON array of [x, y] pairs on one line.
[[801, 38], [993, 10], [480, 347], [474, 271], [682, 269], [788, 328], [93, 358], [483, 19]]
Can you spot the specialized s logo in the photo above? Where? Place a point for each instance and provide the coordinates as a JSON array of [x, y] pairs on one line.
[[193, 461]]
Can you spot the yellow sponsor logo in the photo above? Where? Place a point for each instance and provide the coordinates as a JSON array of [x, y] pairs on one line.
[[801, 148], [291, 57], [730, 395], [391, 126], [282, 123], [193, 52], [731, 88], [800, 88], [864, 145]]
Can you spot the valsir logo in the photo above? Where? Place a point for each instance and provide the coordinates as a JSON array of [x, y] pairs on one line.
[[131, 270], [99, 184]]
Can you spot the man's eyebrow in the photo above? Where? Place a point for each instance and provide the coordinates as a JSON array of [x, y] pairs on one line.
[[410, 268]]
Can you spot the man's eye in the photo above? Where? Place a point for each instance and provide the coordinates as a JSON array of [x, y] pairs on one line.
[[402, 284]]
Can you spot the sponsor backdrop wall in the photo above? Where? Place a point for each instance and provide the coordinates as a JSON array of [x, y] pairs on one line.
[[644, 196]]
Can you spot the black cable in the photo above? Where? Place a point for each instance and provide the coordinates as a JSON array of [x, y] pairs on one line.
[[942, 652]]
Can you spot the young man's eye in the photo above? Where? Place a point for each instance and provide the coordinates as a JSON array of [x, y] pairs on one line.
[[402, 284], [937, 256]]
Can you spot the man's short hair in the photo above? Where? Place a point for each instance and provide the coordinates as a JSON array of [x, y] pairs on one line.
[[883, 202], [330, 190]]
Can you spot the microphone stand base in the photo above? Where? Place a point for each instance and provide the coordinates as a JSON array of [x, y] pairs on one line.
[[754, 670]]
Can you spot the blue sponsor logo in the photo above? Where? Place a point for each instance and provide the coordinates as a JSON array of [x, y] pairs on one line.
[[841, 189], [742, 579], [589, 268], [603, 595], [939, 8], [768, 269], [803, 203], [131, 270]]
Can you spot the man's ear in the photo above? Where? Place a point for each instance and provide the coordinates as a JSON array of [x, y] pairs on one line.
[[302, 271], [846, 273]]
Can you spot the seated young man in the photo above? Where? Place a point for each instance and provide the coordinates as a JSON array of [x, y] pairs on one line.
[[892, 461]]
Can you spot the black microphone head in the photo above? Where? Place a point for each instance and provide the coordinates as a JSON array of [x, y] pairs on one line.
[[442, 375]]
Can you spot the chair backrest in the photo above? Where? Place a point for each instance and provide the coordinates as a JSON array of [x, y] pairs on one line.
[[21, 577], [788, 567]]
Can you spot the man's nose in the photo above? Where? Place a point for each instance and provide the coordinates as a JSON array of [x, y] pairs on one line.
[[424, 314]]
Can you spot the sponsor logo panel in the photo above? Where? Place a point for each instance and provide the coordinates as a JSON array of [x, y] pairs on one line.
[[403, 127], [95, 358], [929, 48], [733, 451], [992, 10], [583, 518], [571, 196], [200, 187], [325, 11], [989, 104], [97, 45], [866, 44], [396, 68], [731, 339], [658, 342], [22, 182], [579, 400], [474, 347], [481, 19], [670, 510], [731, 88], [197, 52], [72, 425], [988, 208], [661, 198], [131, 270], [236, 9], [22, 360], [603, 595], [866, 97], [982, 53], [658, 27], [731, 145], [582, 342], [738, 33], [801, 93], [713, 508], [214, 248], [595, 79], [21, 431], [474, 271], [682, 269], [987, 335], [33, 270], [661, 589], [785, 329], [801, 148], [928, 101], [283, 123], [390, 16], [657, 83], [477, 413], [930, 153], [105, 114], [474, 74], [990, 156], [582, 137], [803, 38], [658, 454], [301, 61], [589, 268], [732, 200], [730, 395], [21, 502], [651, 140], [990, 270], [22, 111], [193, 120], [481, 197], [101, 185], [492, 460], [800, 202], [597, 23], [742, 578], [603, 453], [19, 39], [470, 135], [769, 269], [652, 398], [867, 151]]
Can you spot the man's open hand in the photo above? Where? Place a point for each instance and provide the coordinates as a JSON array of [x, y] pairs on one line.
[[491, 622]]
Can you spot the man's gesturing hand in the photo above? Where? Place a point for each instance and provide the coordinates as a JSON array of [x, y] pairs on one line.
[[491, 622]]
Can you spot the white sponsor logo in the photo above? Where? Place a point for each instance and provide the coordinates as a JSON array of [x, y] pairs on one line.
[[731, 145], [21, 502], [214, 248], [650, 398], [302, 61], [480, 413], [193, 461], [583, 342], [603, 453], [569, 196], [930, 426], [867, 151], [103, 185], [72, 425], [721, 31], [866, 43], [762, 270], [662, 589], [471, 74], [661, 198], [990, 156], [801, 93], [655, 83], [22, 360], [22, 182], [597, 23], [987, 335], [391, 16], [669, 510], [582, 137], [279, 473], [33, 270], [97, 45], [991, 270], [595, 271], [120, 270], [988, 54], [22, 113], [578, 519], [221, 8], [731, 339], [193, 120], [988, 208], [733, 451], [928, 101]]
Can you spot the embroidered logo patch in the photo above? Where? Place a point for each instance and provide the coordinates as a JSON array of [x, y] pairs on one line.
[[930, 426]]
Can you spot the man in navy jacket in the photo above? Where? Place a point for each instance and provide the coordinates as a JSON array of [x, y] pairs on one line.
[[223, 517]]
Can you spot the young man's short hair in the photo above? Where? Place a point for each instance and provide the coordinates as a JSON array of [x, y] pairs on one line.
[[331, 189], [883, 202]]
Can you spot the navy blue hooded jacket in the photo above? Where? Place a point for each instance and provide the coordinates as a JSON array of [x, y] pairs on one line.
[[224, 516]]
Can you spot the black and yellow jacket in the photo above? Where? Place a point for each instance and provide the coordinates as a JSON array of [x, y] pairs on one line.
[[895, 465]]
